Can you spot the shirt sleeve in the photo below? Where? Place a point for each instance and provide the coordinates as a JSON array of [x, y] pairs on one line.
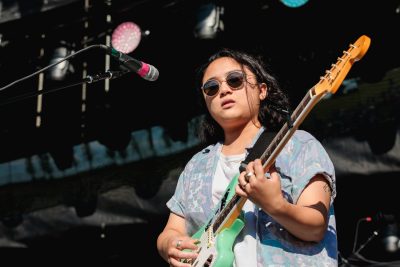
[[175, 203], [307, 158]]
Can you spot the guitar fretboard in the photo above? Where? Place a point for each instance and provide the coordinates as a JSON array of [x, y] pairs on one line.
[[279, 138]]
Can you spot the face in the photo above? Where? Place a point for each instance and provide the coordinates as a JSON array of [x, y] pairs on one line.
[[235, 104]]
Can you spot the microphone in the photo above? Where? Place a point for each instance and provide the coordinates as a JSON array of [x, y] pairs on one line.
[[146, 71]]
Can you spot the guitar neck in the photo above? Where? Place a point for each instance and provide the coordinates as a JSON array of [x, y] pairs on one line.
[[284, 134]]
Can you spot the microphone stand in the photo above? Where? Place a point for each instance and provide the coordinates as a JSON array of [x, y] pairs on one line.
[[109, 74], [106, 75]]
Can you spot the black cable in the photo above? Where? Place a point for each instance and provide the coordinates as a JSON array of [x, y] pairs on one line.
[[374, 234], [31, 94], [49, 66], [357, 256], [377, 263], [88, 79], [356, 232]]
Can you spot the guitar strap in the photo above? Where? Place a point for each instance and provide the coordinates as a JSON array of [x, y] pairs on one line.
[[258, 148], [255, 152], [265, 138]]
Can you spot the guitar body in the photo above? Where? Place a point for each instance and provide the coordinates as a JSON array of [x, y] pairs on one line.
[[217, 251]]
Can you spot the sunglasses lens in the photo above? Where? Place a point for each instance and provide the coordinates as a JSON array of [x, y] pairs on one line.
[[210, 88], [235, 80]]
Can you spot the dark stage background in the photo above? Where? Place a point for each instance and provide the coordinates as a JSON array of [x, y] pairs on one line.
[[86, 168]]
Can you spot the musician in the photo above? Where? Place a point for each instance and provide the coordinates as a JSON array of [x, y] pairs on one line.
[[288, 216]]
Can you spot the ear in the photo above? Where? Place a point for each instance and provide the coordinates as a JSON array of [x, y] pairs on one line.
[[263, 91]]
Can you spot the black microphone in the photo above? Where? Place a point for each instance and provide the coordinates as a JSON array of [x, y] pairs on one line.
[[146, 71]]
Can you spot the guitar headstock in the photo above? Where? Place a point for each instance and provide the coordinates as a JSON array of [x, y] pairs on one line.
[[334, 77]]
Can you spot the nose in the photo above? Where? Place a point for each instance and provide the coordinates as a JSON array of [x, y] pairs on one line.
[[224, 88]]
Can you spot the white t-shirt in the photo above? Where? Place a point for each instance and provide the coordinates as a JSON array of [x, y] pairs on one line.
[[244, 249]]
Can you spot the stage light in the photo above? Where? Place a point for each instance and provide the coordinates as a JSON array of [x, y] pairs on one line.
[[209, 21], [390, 239], [390, 232], [60, 71], [294, 3], [126, 37]]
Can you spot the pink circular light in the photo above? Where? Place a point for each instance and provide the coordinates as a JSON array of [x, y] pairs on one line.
[[126, 37]]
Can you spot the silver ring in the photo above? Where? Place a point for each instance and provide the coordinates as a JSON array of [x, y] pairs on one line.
[[178, 244], [248, 175]]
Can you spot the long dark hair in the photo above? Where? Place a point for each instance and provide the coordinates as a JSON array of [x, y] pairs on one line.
[[270, 117]]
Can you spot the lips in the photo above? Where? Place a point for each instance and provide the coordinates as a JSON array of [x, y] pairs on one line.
[[227, 103]]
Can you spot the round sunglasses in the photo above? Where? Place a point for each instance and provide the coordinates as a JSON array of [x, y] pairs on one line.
[[234, 79]]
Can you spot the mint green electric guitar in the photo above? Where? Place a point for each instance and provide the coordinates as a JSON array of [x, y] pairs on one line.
[[218, 235]]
